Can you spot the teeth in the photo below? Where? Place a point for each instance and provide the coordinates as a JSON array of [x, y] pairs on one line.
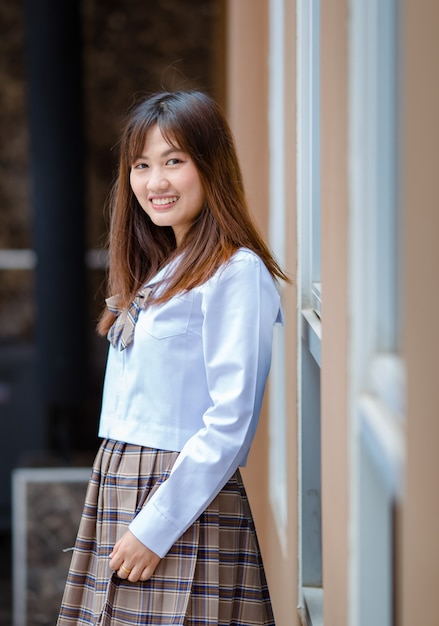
[[163, 201]]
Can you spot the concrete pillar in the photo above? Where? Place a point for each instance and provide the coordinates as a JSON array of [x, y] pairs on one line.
[[53, 47]]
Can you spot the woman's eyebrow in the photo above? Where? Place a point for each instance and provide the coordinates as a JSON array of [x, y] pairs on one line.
[[170, 151]]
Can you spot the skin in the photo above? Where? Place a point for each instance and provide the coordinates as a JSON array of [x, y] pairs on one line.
[[168, 187], [134, 556], [166, 184]]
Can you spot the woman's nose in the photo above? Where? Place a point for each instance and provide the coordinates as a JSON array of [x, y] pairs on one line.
[[157, 180]]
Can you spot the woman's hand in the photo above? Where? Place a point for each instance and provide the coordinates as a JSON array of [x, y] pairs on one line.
[[132, 560]]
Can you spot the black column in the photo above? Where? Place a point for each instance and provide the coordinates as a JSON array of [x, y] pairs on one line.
[[57, 161]]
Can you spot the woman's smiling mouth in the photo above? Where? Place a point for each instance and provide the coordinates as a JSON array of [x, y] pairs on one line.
[[163, 203]]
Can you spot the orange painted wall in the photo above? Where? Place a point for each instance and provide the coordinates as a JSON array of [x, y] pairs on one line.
[[247, 106], [420, 193], [335, 322]]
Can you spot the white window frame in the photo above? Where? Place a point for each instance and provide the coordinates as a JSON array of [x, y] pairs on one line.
[[277, 383], [26, 259], [377, 377]]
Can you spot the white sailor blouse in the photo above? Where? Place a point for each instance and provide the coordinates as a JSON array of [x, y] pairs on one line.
[[192, 381]]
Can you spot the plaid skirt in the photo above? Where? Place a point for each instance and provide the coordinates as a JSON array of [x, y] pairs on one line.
[[213, 575]]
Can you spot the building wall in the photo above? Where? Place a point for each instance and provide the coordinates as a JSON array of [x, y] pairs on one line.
[[335, 322], [247, 105], [351, 553], [419, 549]]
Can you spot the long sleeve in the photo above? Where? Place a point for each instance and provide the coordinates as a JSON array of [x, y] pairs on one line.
[[239, 307]]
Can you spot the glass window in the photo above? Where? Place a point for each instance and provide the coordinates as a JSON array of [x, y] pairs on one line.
[[309, 282]]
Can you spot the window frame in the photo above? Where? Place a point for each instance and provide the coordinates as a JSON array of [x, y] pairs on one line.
[[377, 376], [277, 423]]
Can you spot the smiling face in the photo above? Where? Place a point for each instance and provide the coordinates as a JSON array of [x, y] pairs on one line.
[[167, 184]]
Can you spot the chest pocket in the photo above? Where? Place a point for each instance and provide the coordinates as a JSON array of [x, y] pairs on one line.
[[168, 319]]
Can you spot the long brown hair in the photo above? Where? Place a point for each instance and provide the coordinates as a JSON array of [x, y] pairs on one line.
[[193, 122]]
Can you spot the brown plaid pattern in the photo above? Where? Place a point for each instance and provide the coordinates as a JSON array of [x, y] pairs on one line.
[[212, 576], [123, 326]]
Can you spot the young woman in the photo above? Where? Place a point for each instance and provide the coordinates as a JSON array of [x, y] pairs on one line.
[[167, 536]]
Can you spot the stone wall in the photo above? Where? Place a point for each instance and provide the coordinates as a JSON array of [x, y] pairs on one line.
[[47, 509], [16, 306]]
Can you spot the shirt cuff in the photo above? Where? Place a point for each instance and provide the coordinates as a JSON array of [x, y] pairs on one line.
[[148, 527]]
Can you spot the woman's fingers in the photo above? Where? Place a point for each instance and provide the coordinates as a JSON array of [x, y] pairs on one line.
[[135, 574], [123, 571], [131, 560]]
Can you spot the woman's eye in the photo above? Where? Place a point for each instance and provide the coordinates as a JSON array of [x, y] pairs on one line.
[[139, 166], [174, 161]]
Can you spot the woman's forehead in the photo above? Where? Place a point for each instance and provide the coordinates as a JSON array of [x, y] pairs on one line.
[[140, 137]]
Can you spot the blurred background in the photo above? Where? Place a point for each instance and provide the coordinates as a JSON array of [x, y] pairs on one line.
[[68, 72], [334, 109]]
